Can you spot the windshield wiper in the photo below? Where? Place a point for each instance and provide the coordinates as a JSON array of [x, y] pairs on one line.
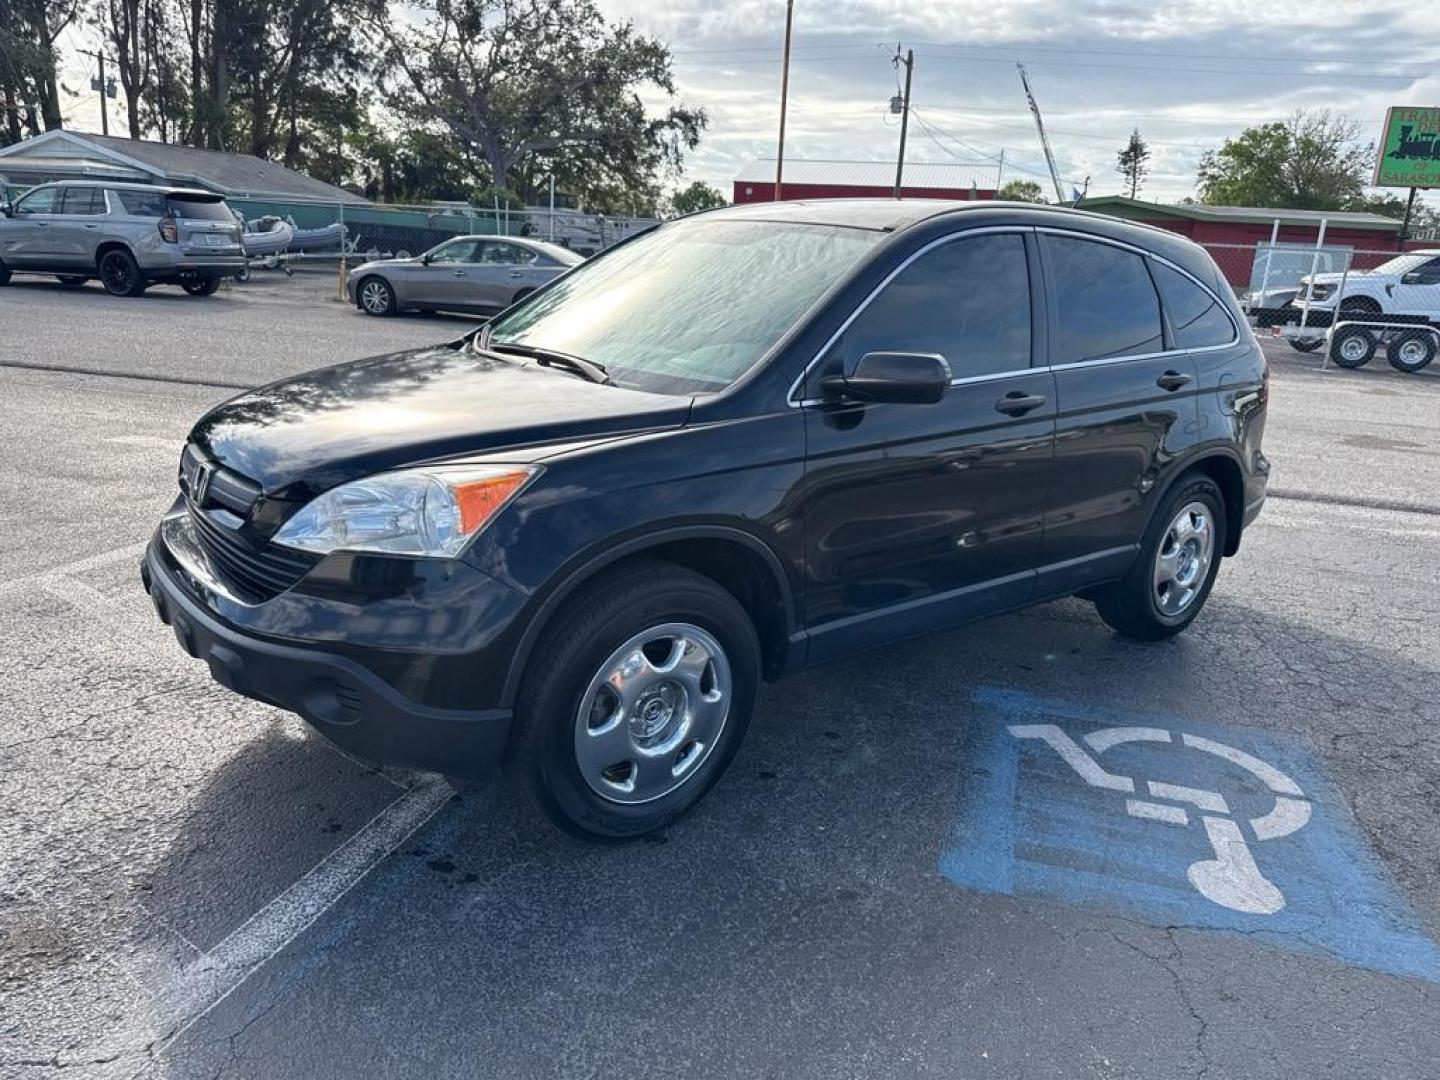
[[587, 369]]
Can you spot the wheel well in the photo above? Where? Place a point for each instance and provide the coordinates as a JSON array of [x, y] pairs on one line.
[[732, 564], [1227, 476], [1360, 303], [109, 246]]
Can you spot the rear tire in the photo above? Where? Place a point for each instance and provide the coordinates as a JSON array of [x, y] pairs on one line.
[[622, 658], [1176, 567], [203, 287], [1352, 346], [375, 296], [120, 274], [1412, 351], [4, 274]]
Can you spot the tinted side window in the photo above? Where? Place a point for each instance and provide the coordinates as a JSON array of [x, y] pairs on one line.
[[1427, 273], [968, 300], [1106, 300], [82, 200], [38, 202], [456, 251], [500, 253], [143, 203], [1196, 320]]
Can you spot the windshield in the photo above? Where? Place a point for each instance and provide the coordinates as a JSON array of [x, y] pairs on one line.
[[689, 307], [1402, 264]]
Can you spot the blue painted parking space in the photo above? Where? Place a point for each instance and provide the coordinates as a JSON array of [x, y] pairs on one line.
[[1175, 823]]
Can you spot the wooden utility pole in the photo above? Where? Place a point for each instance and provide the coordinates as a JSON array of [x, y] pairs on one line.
[[103, 87], [909, 63], [784, 94]]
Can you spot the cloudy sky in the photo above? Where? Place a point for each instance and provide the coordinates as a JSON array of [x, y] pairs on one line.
[[1187, 73]]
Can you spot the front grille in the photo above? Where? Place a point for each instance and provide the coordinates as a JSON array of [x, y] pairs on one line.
[[256, 572]]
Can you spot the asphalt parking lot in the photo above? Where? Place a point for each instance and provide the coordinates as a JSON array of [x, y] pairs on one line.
[[916, 867]]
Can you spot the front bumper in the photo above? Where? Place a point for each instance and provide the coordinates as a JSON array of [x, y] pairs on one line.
[[334, 691]]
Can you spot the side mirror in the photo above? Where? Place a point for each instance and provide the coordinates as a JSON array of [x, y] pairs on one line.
[[425, 259], [898, 377]]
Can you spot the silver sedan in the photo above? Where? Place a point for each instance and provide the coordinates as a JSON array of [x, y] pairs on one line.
[[482, 274]]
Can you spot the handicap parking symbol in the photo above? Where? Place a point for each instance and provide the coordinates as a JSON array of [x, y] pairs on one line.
[[1177, 824]]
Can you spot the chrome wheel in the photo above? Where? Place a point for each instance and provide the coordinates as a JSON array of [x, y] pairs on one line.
[[1183, 561], [1352, 349], [1413, 353], [375, 297], [652, 713]]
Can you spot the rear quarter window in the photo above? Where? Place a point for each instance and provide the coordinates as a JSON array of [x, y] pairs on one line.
[[1197, 320], [143, 203]]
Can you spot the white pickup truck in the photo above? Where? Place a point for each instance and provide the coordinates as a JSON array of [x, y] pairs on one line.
[[1375, 304]]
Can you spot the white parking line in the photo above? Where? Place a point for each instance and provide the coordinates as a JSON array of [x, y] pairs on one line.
[[213, 976]]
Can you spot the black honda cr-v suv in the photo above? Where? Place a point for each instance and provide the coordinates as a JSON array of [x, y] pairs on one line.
[[742, 442]]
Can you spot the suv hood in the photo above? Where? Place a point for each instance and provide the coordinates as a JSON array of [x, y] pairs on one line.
[[301, 436]]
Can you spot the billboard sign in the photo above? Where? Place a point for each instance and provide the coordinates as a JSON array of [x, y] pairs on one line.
[[1409, 149]]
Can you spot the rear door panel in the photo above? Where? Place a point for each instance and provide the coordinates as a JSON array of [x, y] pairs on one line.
[[1126, 408]]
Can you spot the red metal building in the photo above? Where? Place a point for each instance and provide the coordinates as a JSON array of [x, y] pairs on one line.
[[867, 180], [1231, 232]]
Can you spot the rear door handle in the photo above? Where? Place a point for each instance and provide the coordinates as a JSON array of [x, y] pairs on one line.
[[1172, 380], [1018, 403], [458, 273]]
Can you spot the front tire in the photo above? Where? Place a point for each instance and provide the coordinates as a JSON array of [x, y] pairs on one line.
[[120, 274], [1411, 352], [635, 701], [1175, 569], [376, 297]]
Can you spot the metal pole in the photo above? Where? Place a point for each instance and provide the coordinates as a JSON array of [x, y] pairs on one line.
[[104, 112], [904, 120], [552, 208], [1269, 258], [1405, 225], [784, 95], [1314, 269], [340, 275]]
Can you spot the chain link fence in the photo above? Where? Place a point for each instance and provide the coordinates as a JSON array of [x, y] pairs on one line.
[[1348, 305]]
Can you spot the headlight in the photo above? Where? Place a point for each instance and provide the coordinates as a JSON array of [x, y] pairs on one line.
[[432, 512]]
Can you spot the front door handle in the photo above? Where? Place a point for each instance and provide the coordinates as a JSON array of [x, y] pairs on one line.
[[1018, 403], [1172, 380], [458, 273], [517, 273]]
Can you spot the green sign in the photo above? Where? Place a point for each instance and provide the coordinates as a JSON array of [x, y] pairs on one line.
[[1410, 150]]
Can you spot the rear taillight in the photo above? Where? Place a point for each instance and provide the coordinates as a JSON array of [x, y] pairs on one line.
[[168, 232]]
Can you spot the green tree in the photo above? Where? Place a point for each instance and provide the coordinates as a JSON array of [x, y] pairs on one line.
[[1133, 162], [29, 82], [539, 88], [1021, 191], [697, 196], [1313, 161]]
